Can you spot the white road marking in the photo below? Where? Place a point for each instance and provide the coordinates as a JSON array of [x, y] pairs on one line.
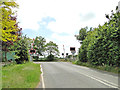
[[99, 79], [102, 81], [43, 84], [110, 84]]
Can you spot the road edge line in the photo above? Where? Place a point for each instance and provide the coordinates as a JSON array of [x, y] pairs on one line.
[[42, 79], [103, 82]]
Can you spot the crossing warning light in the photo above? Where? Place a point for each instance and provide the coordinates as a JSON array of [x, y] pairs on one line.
[[66, 54]]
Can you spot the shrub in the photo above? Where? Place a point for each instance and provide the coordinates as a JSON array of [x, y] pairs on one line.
[[50, 57]]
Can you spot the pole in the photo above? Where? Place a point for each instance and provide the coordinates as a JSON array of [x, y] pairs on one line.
[[64, 51], [118, 10]]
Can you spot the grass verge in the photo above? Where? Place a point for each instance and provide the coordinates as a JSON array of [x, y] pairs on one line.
[[103, 68], [21, 76]]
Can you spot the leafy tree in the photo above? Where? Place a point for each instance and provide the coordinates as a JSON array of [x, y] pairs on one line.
[[39, 45], [52, 49], [105, 49], [101, 46], [82, 34], [10, 29], [9, 24], [21, 49]]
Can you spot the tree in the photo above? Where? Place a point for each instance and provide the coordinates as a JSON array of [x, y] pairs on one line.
[[82, 34], [39, 45], [9, 24], [21, 49], [105, 50], [101, 46], [52, 49], [10, 29]]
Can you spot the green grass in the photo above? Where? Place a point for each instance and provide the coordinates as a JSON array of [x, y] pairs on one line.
[[103, 68], [21, 76]]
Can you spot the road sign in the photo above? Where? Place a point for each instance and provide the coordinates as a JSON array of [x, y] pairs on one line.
[[32, 51], [73, 51], [72, 48]]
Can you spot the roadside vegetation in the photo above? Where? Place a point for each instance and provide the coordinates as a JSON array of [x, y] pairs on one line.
[[100, 49], [21, 75], [15, 46], [103, 68], [101, 46], [16, 70], [49, 50]]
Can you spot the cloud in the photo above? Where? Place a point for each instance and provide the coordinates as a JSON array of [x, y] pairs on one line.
[[87, 17], [68, 41], [66, 13], [62, 17]]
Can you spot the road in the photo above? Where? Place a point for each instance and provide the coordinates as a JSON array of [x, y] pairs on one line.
[[67, 75]]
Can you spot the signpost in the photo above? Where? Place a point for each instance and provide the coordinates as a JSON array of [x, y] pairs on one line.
[[66, 56], [73, 51], [63, 55]]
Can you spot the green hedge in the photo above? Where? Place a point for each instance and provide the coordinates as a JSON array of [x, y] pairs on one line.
[[101, 46]]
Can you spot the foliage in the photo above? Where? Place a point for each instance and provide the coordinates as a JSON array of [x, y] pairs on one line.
[[39, 44], [52, 49], [82, 34], [35, 57], [50, 57], [101, 46], [10, 30], [9, 24], [21, 49], [69, 56], [105, 67]]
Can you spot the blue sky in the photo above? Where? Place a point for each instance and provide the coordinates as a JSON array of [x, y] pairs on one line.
[[43, 31], [60, 20]]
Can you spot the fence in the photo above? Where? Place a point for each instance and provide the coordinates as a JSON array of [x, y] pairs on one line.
[[10, 56]]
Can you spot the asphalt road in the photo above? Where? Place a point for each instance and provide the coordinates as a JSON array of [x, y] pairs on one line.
[[67, 75]]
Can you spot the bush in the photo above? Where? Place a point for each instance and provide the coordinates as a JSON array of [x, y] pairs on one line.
[[50, 57], [83, 52], [35, 57]]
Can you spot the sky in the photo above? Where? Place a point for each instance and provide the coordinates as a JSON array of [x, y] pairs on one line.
[[60, 20]]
